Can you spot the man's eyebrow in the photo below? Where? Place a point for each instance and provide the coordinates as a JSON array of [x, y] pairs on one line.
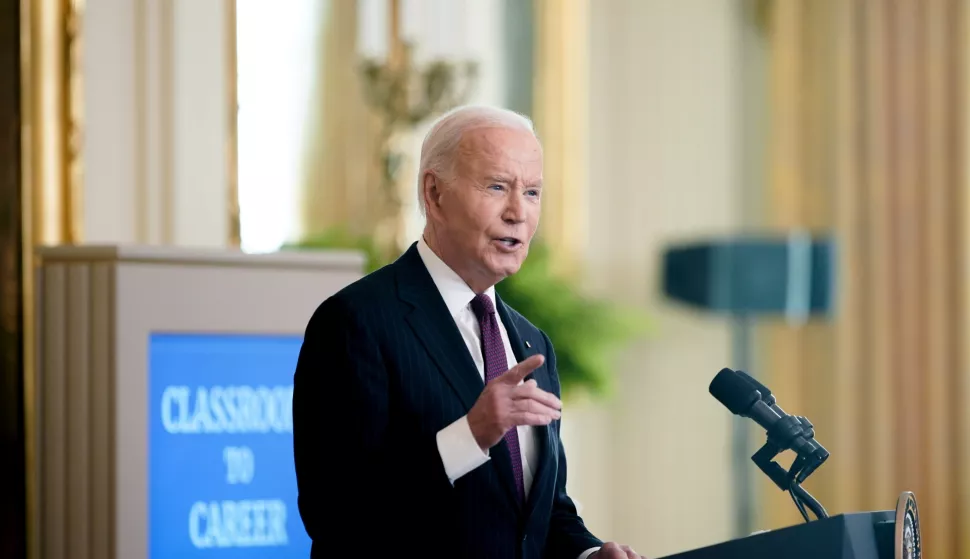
[[507, 180], [498, 178]]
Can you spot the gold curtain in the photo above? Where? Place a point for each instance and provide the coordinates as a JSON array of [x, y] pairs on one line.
[[867, 141], [342, 180], [561, 112]]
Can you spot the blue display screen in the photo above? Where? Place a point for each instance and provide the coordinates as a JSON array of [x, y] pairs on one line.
[[220, 453]]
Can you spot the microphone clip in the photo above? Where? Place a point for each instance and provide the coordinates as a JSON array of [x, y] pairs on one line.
[[786, 432]]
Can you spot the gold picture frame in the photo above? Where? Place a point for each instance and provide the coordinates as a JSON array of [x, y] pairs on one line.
[[51, 135], [52, 179]]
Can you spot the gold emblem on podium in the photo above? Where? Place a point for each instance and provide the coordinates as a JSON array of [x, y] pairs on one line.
[[908, 541]]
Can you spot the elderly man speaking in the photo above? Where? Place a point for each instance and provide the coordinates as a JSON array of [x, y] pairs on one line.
[[425, 410]]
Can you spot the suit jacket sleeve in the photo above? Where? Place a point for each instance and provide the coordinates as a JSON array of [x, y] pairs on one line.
[[568, 536], [340, 416], [342, 448]]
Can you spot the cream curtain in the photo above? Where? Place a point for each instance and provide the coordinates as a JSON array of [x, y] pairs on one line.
[[342, 178], [868, 141]]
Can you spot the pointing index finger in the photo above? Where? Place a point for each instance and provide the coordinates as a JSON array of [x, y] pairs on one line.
[[526, 366]]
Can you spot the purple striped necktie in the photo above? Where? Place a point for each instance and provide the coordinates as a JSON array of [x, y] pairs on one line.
[[496, 363]]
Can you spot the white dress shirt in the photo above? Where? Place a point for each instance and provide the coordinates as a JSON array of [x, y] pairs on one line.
[[459, 450]]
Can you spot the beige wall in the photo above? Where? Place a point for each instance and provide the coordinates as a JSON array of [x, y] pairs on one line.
[[155, 122], [651, 465]]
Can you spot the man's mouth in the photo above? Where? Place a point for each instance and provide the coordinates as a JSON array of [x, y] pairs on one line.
[[509, 242]]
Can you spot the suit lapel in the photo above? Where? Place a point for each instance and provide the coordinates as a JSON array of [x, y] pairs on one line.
[[543, 442], [435, 327]]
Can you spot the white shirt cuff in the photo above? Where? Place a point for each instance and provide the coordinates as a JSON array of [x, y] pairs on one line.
[[588, 552], [459, 450]]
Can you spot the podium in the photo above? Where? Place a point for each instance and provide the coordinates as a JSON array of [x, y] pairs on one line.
[[864, 535], [162, 399], [846, 536]]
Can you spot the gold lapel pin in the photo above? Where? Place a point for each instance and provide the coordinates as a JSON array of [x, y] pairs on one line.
[[527, 344]]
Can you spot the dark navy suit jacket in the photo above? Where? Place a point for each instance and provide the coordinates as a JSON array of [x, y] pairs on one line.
[[382, 369]]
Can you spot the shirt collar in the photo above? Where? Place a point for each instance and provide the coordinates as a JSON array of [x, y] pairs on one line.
[[455, 292]]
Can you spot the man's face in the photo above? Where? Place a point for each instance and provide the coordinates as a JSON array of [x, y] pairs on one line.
[[484, 217]]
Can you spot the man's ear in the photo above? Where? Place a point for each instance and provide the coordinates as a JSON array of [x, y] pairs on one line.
[[430, 190]]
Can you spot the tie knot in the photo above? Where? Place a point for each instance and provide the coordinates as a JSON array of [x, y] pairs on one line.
[[482, 306]]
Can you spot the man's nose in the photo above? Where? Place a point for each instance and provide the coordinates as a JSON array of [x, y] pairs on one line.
[[514, 210]]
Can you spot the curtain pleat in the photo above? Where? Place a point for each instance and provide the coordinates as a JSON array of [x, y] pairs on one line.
[[867, 142]]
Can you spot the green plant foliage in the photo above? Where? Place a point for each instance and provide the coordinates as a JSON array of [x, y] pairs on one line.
[[585, 331]]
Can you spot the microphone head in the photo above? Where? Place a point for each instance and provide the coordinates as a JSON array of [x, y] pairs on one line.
[[734, 391], [766, 395]]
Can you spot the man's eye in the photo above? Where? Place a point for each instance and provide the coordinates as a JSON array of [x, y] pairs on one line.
[[533, 192], [496, 187]]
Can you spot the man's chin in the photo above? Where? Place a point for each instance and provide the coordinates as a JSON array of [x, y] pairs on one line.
[[506, 269], [503, 265]]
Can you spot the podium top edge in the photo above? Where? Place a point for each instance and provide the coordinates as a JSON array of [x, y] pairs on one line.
[[349, 260]]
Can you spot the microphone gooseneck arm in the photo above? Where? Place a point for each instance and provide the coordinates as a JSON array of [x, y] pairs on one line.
[[804, 497]]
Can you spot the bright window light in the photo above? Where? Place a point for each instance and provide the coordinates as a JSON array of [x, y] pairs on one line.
[[276, 58]]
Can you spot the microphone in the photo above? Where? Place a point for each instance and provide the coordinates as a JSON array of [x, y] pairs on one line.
[[746, 397], [820, 455], [766, 394]]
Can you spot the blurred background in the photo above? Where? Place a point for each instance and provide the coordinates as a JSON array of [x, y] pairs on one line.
[[265, 126]]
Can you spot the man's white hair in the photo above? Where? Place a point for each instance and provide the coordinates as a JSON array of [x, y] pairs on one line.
[[441, 143]]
